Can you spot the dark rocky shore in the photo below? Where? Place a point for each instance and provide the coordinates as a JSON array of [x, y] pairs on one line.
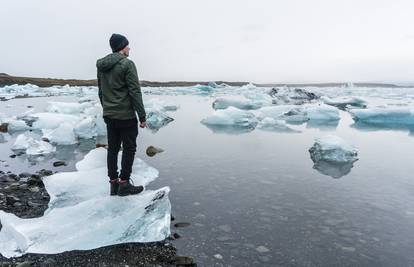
[[6, 79], [25, 196]]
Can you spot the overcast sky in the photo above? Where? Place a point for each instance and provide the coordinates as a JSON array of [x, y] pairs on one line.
[[233, 40]]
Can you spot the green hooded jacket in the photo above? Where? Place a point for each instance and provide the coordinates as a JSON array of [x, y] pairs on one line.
[[119, 89]]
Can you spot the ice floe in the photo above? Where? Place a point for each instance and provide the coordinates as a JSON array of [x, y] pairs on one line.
[[246, 104], [345, 102], [295, 96], [62, 135], [334, 149], [157, 119], [333, 156], [385, 116], [82, 215], [232, 117], [31, 146], [67, 108], [270, 124]]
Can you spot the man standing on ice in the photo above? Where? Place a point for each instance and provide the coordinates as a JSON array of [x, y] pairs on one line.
[[120, 96]]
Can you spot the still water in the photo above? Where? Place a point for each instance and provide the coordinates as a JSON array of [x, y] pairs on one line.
[[255, 198]]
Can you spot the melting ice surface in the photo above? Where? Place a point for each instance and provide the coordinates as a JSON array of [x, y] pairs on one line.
[[82, 215]]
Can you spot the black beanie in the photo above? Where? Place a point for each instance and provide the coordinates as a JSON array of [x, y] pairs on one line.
[[118, 42]]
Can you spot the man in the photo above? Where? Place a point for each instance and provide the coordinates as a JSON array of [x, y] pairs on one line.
[[120, 96]]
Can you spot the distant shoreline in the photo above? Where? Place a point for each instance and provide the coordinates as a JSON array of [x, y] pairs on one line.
[[6, 79]]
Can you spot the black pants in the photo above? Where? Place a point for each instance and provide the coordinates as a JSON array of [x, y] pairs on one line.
[[123, 132]]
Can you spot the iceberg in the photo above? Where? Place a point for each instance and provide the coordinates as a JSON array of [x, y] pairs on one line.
[[17, 125], [67, 107], [47, 120], [158, 104], [223, 103], [345, 102], [157, 119], [33, 147], [62, 135], [270, 124], [39, 148], [300, 114], [232, 117], [81, 214], [288, 113], [385, 116], [295, 96], [334, 149], [322, 112]]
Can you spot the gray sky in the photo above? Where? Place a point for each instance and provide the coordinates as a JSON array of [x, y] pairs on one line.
[[235, 40]]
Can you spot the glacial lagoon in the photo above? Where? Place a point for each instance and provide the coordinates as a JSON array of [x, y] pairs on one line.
[[249, 188]]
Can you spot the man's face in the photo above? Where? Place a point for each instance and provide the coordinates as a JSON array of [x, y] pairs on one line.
[[125, 51]]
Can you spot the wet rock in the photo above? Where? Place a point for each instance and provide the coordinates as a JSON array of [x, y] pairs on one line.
[[10, 199], [13, 176], [25, 264], [13, 156], [174, 236], [24, 174], [218, 256], [262, 249], [59, 163], [152, 151], [181, 224], [4, 127], [44, 172], [34, 189], [35, 180], [6, 179], [184, 261]]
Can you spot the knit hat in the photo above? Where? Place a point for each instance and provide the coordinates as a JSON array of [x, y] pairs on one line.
[[118, 42]]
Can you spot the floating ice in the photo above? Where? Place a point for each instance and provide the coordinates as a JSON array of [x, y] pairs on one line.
[[17, 125], [322, 113], [232, 117], [67, 108], [270, 124], [385, 116], [288, 113], [38, 148], [294, 96], [300, 114], [22, 142], [53, 120], [157, 119], [33, 147], [223, 103], [86, 129], [333, 149], [158, 104], [82, 215], [345, 102], [62, 135]]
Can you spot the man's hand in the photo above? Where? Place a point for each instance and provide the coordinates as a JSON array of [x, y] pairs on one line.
[[143, 124]]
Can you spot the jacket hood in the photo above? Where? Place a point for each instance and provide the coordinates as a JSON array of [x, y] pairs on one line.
[[108, 62]]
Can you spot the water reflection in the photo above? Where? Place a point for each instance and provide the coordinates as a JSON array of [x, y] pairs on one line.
[[335, 170], [364, 126], [232, 130], [323, 125]]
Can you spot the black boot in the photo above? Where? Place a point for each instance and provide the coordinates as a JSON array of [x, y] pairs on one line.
[[114, 186], [126, 188]]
